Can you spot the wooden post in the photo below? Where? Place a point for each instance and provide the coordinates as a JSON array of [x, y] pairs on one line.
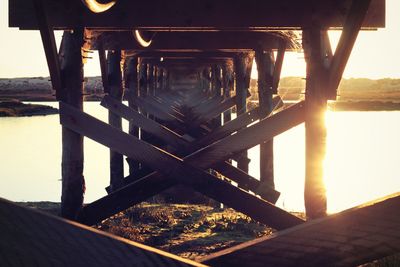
[[142, 78], [316, 101], [207, 80], [228, 83], [243, 64], [132, 85], [216, 91], [103, 68], [71, 71], [161, 75], [151, 80], [114, 77], [265, 65]]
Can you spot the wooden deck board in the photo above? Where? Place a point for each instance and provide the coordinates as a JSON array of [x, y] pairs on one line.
[[349, 238], [33, 238], [199, 14]]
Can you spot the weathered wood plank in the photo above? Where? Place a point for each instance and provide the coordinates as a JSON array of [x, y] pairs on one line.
[[103, 67], [158, 113], [243, 64], [181, 146], [266, 69], [217, 109], [33, 238], [173, 168], [49, 45], [132, 87], [201, 15], [350, 238], [353, 23], [253, 135], [114, 78], [148, 125], [278, 66], [73, 182], [315, 129], [228, 128]]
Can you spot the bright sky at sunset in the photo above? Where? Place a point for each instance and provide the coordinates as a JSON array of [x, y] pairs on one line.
[[374, 55]]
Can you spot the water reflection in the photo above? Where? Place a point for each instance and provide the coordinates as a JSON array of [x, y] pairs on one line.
[[360, 165]]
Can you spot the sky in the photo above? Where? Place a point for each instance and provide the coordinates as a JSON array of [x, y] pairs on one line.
[[374, 55]]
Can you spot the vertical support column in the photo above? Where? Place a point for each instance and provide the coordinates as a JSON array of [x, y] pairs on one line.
[[316, 102], [167, 74], [216, 85], [243, 64], [265, 65], [132, 85], [114, 77], [161, 84], [151, 80], [228, 83], [207, 81], [142, 78], [71, 73], [103, 68]]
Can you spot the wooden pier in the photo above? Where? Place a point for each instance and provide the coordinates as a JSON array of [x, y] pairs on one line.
[[183, 67]]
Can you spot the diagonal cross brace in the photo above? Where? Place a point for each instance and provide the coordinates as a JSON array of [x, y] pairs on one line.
[[244, 180], [172, 168], [49, 45]]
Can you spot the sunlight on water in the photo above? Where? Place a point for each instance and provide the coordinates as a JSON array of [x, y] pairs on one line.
[[362, 157], [361, 162]]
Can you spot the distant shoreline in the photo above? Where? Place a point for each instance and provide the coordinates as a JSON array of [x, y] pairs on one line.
[[355, 94], [16, 108], [351, 105]]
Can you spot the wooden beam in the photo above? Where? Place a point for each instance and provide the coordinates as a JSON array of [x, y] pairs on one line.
[[253, 135], [228, 128], [132, 88], [154, 110], [73, 182], [182, 147], [116, 91], [173, 169], [278, 67], [103, 68], [266, 67], [204, 44], [322, 242], [193, 15], [148, 125], [49, 45], [315, 129], [30, 237], [165, 54], [228, 87], [243, 63], [352, 26]]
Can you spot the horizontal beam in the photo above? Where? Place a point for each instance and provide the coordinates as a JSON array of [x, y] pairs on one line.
[[191, 40], [196, 14]]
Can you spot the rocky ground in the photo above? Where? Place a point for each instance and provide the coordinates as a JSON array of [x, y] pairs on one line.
[[190, 231]]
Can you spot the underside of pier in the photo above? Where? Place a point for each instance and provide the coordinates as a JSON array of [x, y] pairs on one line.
[[184, 68]]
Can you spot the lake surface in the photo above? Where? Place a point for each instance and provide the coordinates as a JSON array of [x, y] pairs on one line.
[[361, 163]]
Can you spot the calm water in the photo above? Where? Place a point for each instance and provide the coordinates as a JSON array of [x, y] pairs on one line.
[[361, 162]]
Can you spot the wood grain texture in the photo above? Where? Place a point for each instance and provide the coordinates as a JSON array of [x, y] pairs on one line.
[[350, 238], [172, 168], [198, 14]]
